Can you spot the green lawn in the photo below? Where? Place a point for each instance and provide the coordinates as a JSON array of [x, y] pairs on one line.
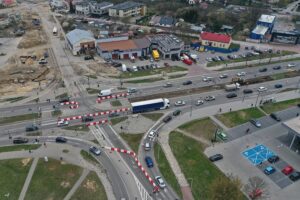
[[52, 180], [274, 107], [153, 116], [88, 157], [176, 76], [198, 170], [115, 103], [204, 127], [92, 90], [13, 173], [235, 118], [81, 127], [17, 118], [56, 113], [20, 147], [117, 120], [152, 72], [133, 140], [165, 169], [90, 189], [34, 133], [63, 95], [150, 80]]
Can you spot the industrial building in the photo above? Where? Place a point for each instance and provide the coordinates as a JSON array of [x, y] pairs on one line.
[[264, 27], [285, 31], [80, 41], [215, 40], [127, 9]]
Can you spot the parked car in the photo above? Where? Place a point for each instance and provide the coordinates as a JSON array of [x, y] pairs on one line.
[[291, 65], [255, 194], [241, 74], [255, 122], [295, 176], [199, 102], [114, 114], [20, 140], [31, 127], [209, 59], [221, 58], [263, 69], [269, 170], [168, 85], [167, 119], [61, 139], [209, 98], [262, 89], [231, 95], [277, 67], [180, 103], [208, 78], [223, 76], [149, 162], [247, 91], [87, 119], [278, 85], [230, 57], [188, 82], [62, 123], [176, 112], [95, 150], [275, 116], [88, 57], [167, 64], [273, 159], [160, 182], [287, 170], [216, 157], [64, 99], [152, 134]]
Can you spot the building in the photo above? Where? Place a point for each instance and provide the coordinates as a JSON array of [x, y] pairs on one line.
[[80, 41], [168, 46], [164, 21], [259, 32], [293, 137], [127, 9], [57, 3], [7, 3], [285, 31], [100, 8], [82, 8], [215, 40], [122, 48], [263, 28], [267, 21]]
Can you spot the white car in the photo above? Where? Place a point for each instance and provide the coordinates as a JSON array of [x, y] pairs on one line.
[[208, 78], [291, 65], [62, 123], [241, 74], [134, 68], [223, 76], [180, 103], [199, 102], [151, 135], [262, 89], [160, 182], [209, 98], [95, 150], [209, 60]]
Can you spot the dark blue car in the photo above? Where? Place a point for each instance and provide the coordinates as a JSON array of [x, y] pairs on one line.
[[149, 161]]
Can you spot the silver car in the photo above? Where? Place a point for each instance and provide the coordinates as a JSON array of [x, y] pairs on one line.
[[160, 182]]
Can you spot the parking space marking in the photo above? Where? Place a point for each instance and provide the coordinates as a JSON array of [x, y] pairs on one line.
[[257, 154]]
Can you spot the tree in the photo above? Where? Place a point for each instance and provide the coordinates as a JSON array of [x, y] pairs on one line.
[[254, 185], [226, 188]]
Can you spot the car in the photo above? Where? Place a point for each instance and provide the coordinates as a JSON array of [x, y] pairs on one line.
[[221, 58], [149, 162], [217, 58], [273, 159], [214, 59], [167, 119], [134, 68], [231, 95], [291, 65], [151, 60], [262, 89], [61, 139], [88, 57], [20, 140], [255, 122], [269, 170], [179, 103], [64, 99], [188, 82], [278, 85], [255, 193], [199, 102], [277, 67], [114, 114], [141, 58], [216, 157], [95, 150], [230, 57], [160, 182], [43, 61], [209, 98], [167, 64], [295, 176], [208, 78], [209, 59], [87, 119], [222, 135], [241, 74], [31, 127], [62, 123], [263, 69], [147, 146], [176, 112], [152, 134], [168, 85], [275, 116], [131, 90], [287, 170], [247, 91], [223, 76]]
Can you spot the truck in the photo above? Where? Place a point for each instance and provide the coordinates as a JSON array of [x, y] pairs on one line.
[[54, 30], [104, 93], [232, 87], [150, 105], [155, 54], [188, 61]]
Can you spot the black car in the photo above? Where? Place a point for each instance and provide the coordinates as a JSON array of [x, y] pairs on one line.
[[61, 140], [298, 105], [216, 157], [189, 82], [231, 95], [63, 100], [87, 118], [114, 114], [88, 57], [263, 70], [247, 91], [295, 176], [277, 67], [273, 159], [167, 119], [274, 116], [230, 57], [176, 112], [278, 85], [31, 128], [20, 140]]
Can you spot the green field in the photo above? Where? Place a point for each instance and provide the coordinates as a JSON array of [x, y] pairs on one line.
[[165, 169], [117, 120], [115, 103], [20, 147], [17, 118], [52, 180], [274, 107], [149, 80], [81, 127], [153, 116], [133, 140], [13, 173], [176, 76], [152, 72], [56, 113], [88, 157], [90, 189], [235, 118]]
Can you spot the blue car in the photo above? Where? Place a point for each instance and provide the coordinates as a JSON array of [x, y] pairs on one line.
[[149, 161], [269, 170]]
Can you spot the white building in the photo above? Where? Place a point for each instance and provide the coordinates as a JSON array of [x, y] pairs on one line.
[[82, 8], [100, 8], [79, 41]]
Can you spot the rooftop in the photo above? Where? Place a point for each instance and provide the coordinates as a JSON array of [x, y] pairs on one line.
[[167, 20], [216, 37], [118, 45], [267, 18], [77, 34], [293, 124], [166, 41], [260, 30], [102, 4], [126, 5]]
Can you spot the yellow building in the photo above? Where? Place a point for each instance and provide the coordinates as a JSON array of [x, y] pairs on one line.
[[215, 40], [127, 9]]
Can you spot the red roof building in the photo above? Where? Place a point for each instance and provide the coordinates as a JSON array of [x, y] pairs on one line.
[[215, 40]]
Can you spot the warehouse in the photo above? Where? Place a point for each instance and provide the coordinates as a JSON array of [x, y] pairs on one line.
[[285, 31], [263, 28], [80, 41]]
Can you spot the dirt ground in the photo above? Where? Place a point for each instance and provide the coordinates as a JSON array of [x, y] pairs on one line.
[[94, 68]]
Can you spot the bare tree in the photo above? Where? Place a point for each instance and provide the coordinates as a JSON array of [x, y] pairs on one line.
[[257, 188]]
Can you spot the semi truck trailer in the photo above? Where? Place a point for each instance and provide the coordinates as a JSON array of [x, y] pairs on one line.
[[150, 105], [232, 87]]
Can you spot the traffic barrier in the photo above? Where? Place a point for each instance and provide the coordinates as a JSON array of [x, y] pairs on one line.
[[133, 154], [73, 104], [114, 96], [97, 123]]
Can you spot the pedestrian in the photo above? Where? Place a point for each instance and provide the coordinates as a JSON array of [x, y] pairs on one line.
[[61, 158], [220, 109], [230, 109], [121, 127], [45, 144], [251, 104], [248, 129], [297, 114], [29, 151]]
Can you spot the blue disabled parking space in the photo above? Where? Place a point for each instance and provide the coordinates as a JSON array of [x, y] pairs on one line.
[[257, 154]]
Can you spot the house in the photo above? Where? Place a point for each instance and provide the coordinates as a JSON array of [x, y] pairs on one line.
[[100, 8], [127, 9], [79, 41], [82, 8], [215, 40], [164, 21]]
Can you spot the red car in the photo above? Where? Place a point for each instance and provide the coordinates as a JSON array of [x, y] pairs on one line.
[[287, 170], [188, 61], [256, 193]]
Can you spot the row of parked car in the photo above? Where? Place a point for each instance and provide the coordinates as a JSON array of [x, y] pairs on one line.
[[142, 68]]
